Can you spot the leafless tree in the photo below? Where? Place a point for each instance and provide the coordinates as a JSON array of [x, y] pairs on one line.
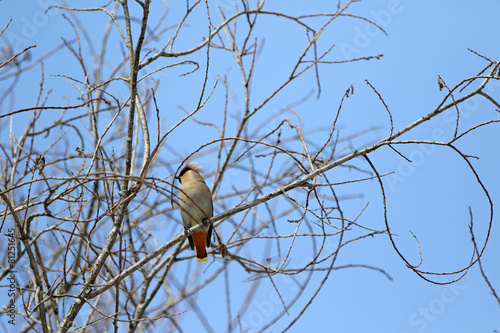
[[99, 245]]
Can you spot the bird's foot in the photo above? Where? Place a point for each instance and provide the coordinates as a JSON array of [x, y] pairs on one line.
[[205, 222]]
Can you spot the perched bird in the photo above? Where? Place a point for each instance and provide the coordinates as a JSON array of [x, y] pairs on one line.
[[195, 200]]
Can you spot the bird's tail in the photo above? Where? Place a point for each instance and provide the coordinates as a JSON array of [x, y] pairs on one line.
[[199, 240]]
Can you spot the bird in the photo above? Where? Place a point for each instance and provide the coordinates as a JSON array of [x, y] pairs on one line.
[[195, 201]]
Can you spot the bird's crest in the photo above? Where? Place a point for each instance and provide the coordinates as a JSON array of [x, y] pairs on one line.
[[191, 166]]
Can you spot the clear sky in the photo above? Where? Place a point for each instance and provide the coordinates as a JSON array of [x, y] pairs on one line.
[[429, 197]]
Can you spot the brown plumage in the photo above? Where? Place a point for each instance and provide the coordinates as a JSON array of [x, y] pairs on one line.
[[195, 201]]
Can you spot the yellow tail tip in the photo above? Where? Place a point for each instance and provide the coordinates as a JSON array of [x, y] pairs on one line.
[[201, 259]]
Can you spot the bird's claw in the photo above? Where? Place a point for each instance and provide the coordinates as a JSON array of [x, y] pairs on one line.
[[205, 222]]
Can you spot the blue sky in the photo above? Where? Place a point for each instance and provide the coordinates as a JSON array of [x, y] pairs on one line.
[[429, 197]]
